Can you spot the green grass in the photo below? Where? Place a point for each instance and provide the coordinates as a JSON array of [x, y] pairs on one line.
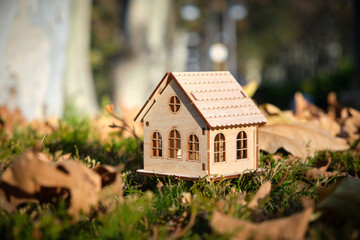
[[153, 210]]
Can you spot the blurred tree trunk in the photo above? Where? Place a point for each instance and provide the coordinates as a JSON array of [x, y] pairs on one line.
[[34, 41], [154, 47], [79, 86]]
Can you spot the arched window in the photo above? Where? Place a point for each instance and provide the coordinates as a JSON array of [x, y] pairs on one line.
[[174, 144], [241, 145], [219, 148], [193, 147], [174, 104], [156, 147]]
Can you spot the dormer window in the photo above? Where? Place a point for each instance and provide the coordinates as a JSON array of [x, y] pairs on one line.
[[174, 104]]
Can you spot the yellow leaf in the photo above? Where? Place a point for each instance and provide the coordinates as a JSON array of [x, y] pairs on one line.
[[251, 88]]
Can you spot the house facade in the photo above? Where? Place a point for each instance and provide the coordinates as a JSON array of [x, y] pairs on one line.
[[198, 124]]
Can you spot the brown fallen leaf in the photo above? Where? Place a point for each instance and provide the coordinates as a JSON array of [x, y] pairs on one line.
[[301, 106], [64, 157], [45, 126], [328, 123], [293, 227], [322, 172], [33, 177], [84, 186], [334, 108], [262, 193], [111, 184], [10, 119], [351, 123], [274, 115], [271, 142], [299, 139], [305, 110]]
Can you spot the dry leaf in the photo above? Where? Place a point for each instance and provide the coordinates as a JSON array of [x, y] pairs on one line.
[[45, 127], [322, 172], [10, 119], [64, 157], [37, 178], [33, 177], [292, 227], [305, 110], [271, 142], [84, 186], [334, 109], [251, 88], [299, 139], [301, 106], [351, 123], [262, 193], [111, 183], [329, 124], [274, 115]]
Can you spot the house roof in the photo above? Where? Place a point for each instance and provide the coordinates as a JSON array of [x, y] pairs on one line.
[[217, 96]]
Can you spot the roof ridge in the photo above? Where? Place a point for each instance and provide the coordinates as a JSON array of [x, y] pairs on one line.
[[216, 73]]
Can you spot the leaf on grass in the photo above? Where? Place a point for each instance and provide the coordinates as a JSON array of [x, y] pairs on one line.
[[262, 193], [334, 108], [64, 157], [111, 184], [271, 142], [351, 123], [305, 110], [10, 119], [45, 127], [292, 227], [322, 171], [32, 177], [299, 139], [328, 123]]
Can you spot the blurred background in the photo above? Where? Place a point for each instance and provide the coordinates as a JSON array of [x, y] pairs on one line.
[[73, 55]]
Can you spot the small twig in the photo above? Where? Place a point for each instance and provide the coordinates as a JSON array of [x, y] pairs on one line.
[[126, 128]]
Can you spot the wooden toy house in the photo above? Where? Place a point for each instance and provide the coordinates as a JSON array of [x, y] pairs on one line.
[[200, 123]]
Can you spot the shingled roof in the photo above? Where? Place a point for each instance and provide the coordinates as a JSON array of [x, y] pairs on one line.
[[217, 96]]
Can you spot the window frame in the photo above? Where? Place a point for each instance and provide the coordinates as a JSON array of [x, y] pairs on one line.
[[193, 151], [157, 148], [173, 105], [218, 152], [242, 146], [175, 148]]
